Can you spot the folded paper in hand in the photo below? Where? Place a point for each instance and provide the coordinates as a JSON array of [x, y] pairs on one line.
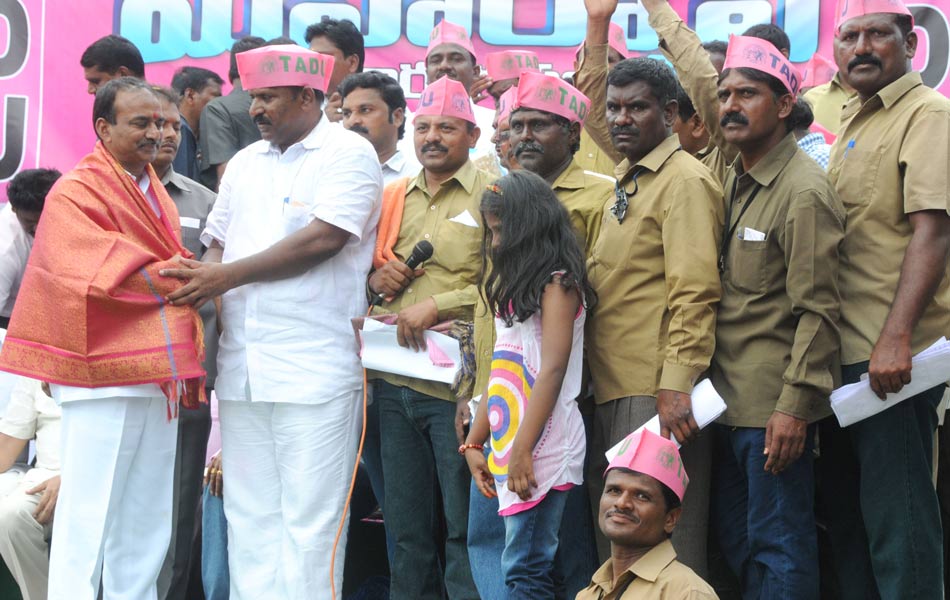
[[708, 405], [856, 401], [381, 352]]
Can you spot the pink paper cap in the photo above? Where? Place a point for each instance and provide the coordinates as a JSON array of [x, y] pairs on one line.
[[849, 9], [761, 55], [286, 65], [648, 453], [445, 98], [505, 102], [510, 64], [818, 70], [616, 39], [449, 33], [551, 94]]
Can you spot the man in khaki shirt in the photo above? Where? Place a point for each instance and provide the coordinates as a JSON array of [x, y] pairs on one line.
[[827, 101], [889, 164], [776, 335], [654, 269], [417, 417], [638, 512]]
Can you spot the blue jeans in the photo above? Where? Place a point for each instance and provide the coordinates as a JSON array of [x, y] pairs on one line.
[[486, 542], [373, 463], [418, 445], [531, 540], [765, 523], [879, 497], [215, 576]]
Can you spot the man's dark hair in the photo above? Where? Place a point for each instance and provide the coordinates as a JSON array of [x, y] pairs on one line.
[[194, 78], [389, 90], [111, 52], [248, 42], [281, 41], [343, 34], [801, 116], [716, 47], [167, 94], [772, 34], [685, 106], [905, 23], [103, 107], [656, 74], [28, 189]]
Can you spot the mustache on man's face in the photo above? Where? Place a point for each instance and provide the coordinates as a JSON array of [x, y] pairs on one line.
[[733, 117], [433, 146], [864, 59], [261, 120], [528, 146]]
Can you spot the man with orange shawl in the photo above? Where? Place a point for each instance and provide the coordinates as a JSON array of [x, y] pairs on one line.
[[91, 320]]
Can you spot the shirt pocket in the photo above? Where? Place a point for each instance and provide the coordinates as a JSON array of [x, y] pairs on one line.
[[857, 177], [190, 233], [748, 265], [459, 246], [294, 216]]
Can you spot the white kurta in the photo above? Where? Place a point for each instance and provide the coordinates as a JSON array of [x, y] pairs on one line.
[[15, 246], [289, 377]]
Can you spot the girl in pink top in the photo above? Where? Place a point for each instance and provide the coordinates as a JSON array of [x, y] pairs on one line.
[[536, 288]]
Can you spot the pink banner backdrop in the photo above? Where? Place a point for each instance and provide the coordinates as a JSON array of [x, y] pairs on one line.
[[47, 113]]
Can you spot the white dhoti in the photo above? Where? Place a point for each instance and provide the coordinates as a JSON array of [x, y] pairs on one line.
[[113, 516], [287, 470], [24, 543]]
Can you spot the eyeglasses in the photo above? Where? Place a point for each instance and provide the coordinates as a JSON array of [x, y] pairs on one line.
[[619, 209]]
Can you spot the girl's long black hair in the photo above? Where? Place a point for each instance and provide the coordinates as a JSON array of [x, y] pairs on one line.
[[536, 240]]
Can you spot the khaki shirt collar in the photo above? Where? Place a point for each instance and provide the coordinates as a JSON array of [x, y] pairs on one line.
[[654, 159], [572, 178], [173, 178], [465, 176], [769, 166], [889, 94], [647, 568]]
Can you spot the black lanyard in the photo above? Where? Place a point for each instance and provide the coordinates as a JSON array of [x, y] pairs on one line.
[[729, 228]]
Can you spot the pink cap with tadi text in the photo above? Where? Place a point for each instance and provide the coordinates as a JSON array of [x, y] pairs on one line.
[[818, 70], [505, 102], [449, 33], [616, 39], [445, 98], [551, 94], [849, 9], [761, 55], [648, 453], [285, 65], [510, 64]]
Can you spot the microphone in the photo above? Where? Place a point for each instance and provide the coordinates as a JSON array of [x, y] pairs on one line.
[[421, 252]]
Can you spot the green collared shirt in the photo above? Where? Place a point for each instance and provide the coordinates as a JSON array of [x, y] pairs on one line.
[[656, 279], [777, 334], [657, 575], [890, 159], [451, 221]]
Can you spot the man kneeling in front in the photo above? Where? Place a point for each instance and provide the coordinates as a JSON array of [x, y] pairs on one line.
[[643, 491]]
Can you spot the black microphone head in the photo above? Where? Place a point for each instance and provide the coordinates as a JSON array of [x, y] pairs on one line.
[[420, 253]]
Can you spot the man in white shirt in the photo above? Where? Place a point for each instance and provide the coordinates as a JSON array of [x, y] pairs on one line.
[[28, 494], [26, 194], [374, 106], [290, 243]]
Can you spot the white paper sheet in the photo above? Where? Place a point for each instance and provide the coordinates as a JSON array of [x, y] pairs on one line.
[[381, 352], [855, 402], [708, 405]]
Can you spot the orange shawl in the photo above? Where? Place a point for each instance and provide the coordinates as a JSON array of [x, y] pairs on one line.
[[390, 220], [91, 309]]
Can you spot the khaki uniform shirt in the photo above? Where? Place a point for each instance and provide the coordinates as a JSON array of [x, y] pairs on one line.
[[777, 336], [682, 47], [656, 279], [452, 273], [584, 194], [827, 101], [892, 158], [591, 158], [657, 575]]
